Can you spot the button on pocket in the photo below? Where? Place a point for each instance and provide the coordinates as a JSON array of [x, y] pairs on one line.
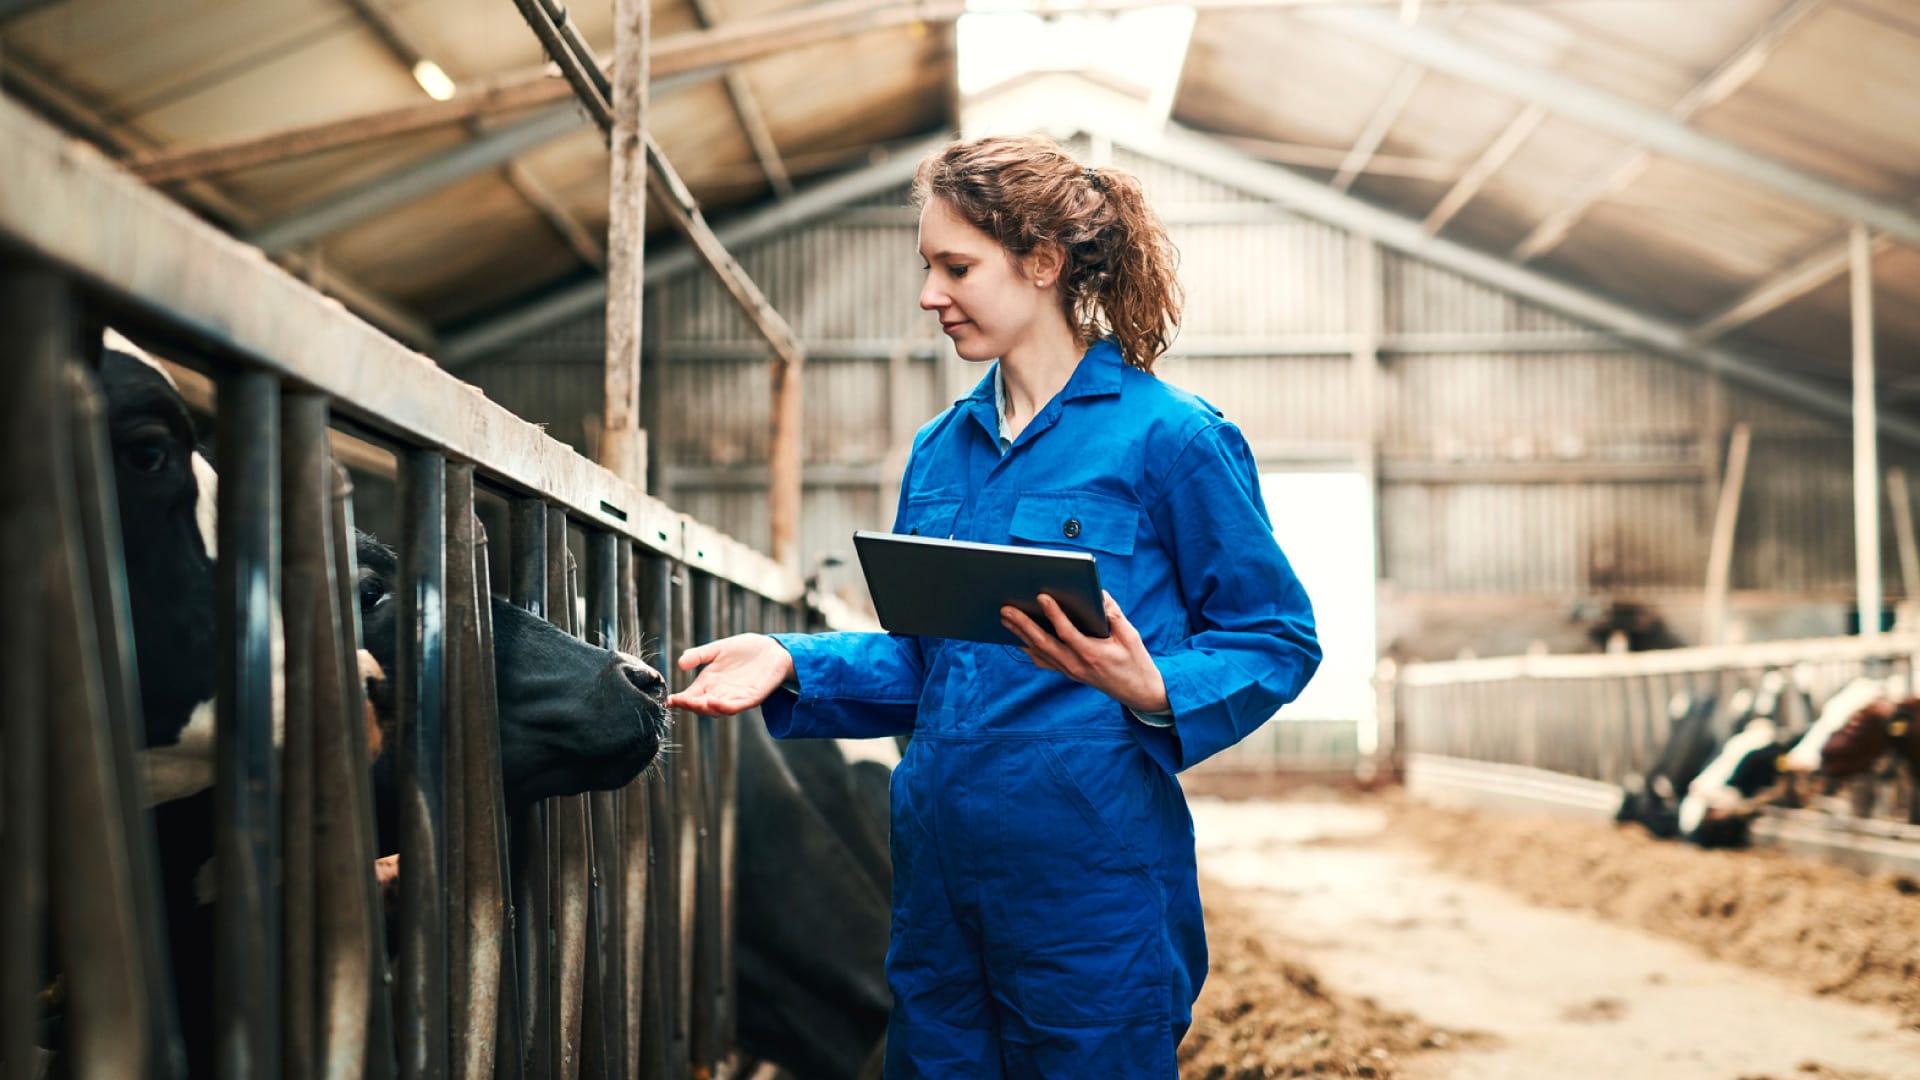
[[1071, 529]]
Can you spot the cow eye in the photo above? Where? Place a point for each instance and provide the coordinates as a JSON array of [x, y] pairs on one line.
[[147, 450], [372, 591]]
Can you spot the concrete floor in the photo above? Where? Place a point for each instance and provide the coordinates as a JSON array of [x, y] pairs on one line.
[[1569, 996]]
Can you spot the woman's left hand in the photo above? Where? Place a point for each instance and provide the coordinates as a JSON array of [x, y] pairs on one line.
[[1118, 665]]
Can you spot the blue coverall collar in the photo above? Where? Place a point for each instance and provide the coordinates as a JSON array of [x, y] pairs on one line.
[[1097, 374]]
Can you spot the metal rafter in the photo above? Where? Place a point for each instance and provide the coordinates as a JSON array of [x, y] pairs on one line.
[[1721, 82], [1374, 132], [1607, 112], [1497, 154], [1200, 155]]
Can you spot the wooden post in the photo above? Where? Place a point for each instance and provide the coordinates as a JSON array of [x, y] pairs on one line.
[[783, 464], [1866, 460], [1720, 550], [623, 447]]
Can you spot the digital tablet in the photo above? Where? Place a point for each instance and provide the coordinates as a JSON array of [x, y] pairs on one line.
[[955, 588]]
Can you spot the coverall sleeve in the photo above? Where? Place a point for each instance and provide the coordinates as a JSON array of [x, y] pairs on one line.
[[1251, 646], [852, 686]]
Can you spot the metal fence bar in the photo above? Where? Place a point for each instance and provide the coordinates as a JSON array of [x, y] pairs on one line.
[[636, 837], [422, 761], [685, 768], [566, 843], [476, 913], [306, 481], [31, 328], [484, 773], [247, 949], [657, 1057], [528, 588], [707, 979], [350, 908], [604, 1015]]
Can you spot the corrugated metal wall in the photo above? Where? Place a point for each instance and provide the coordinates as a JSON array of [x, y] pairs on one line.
[[1518, 452]]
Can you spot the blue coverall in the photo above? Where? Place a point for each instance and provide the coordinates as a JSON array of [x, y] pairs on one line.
[[1046, 915]]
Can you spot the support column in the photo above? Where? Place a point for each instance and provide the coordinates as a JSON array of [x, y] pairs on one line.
[[1866, 462]]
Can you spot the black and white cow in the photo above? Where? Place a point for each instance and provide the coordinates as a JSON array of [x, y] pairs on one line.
[[1744, 775], [1652, 799]]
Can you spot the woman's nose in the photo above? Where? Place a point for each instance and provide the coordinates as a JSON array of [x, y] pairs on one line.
[[931, 296]]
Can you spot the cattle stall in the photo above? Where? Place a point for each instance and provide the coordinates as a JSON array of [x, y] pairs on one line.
[[1565, 732], [590, 936]]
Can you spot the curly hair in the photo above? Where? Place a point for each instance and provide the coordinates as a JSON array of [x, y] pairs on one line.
[[1119, 275]]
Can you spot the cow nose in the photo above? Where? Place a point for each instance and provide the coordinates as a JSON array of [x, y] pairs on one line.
[[644, 679]]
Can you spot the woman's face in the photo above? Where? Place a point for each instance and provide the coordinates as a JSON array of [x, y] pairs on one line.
[[985, 300]]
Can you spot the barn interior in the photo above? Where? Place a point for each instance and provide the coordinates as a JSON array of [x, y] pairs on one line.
[[1577, 343]]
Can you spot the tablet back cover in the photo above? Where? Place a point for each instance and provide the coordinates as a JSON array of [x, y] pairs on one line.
[[955, 588]]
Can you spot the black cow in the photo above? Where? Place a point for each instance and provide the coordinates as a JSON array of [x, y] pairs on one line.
[[813, 900], [573, 717]]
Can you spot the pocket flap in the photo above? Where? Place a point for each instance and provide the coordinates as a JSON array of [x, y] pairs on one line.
[[1077, 519]]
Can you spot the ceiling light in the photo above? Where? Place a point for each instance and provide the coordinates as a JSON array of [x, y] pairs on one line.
[[433, 80]]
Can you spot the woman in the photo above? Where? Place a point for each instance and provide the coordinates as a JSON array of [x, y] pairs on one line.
[[1046, 918]]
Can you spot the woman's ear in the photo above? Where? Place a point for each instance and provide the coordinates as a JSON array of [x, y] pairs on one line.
[[1044, 263]]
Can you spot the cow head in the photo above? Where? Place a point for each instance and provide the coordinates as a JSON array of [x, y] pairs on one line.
[[165, 489], [1870, 732], [573, 717]]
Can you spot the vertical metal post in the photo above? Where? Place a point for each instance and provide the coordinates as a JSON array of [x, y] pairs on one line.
[[567, 843], [307, 579], [707, 978], [476, 911], [507, 1053], [727, 748], [1866, 459], [603, 1022], [351, 904], [635, 843], [622, 443], [34, 334], [528, 589], [247, 949], [686, 768], [422, 761], [659, 1008]]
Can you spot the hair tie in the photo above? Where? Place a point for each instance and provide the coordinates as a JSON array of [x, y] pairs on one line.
[[1093, 178]]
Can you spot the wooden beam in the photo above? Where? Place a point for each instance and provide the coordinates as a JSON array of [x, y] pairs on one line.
[[1780, 288], [1718, 85], [622, 442], [746, 108], [1713, 620]]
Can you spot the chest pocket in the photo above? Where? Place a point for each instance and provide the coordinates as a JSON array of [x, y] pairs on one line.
[[1080, 521], [929, 515]]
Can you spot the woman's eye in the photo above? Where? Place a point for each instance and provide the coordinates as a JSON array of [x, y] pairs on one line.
[[957, 271]]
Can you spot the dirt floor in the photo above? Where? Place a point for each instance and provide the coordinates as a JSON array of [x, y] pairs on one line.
[[1359, 936]]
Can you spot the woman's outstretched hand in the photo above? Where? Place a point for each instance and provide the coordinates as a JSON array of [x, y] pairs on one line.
[[740, 672], [1118, 666]]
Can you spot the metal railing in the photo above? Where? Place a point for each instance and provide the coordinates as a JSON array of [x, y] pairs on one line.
[[588, 936], [1601, 718]]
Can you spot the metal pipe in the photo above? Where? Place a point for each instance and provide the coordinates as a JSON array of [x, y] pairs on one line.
[[527, 575], [604, 1015], [566, 844], [352, 907], [635, 843], [707, 1046], [657, 1057], [306, 480], [422, 765], [1866, 449], [685, 768], [246, 830], [32, 306]]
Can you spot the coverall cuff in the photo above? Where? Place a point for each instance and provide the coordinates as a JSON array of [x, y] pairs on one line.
[[780, 709]]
